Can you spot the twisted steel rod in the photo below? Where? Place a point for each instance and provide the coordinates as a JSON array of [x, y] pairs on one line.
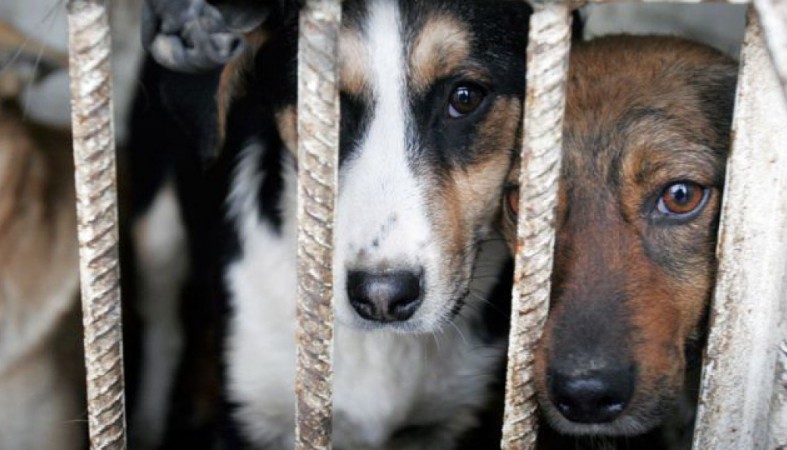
[[547, 58], [94, 161], [318, 145]]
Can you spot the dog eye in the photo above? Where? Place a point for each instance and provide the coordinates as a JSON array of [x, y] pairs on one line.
[[465, 99], [682, 198]]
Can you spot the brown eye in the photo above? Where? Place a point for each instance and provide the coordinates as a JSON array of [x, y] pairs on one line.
[[465, 99], [512, 201], [680, 199]]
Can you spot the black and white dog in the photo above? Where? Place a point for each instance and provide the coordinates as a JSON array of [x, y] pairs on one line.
[[431, 109]]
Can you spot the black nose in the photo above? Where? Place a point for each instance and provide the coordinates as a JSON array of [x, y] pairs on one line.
[[384, 297], [594, 396]]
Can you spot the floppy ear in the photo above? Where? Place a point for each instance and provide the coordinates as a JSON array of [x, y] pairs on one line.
[[195, 36], [24, 61]]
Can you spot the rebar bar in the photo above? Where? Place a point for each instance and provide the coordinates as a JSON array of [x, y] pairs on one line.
[[547, 60], [94, 160], [318, 144]]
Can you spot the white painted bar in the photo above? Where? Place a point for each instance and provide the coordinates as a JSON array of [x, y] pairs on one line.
[[747, 317], [773, 15]]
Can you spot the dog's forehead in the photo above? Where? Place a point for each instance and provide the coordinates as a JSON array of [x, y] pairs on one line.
[[661, 103], [432, 42]]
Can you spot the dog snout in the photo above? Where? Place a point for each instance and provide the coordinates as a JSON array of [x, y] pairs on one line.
[[385, 297], [597, 396]]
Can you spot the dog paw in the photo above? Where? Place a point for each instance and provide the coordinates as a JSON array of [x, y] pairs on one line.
[[189, 35]]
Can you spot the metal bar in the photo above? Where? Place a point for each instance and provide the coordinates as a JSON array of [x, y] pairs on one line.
[[318, 145], [94, 160], [777, 428], [547, 59], [773, 16], [748, 312]]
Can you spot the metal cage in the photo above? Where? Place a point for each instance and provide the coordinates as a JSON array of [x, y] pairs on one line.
[[743, 401]]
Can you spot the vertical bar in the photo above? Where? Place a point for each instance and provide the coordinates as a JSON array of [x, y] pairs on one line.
[[773, 17], [547, 60], [94, 160], [318, 144], [748, 313], [778, 422]]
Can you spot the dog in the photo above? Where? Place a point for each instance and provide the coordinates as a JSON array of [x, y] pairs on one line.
[[41, 368], [431, 108], [645, 142]]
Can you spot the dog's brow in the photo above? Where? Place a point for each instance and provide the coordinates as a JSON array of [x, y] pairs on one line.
[[442, 44], [354, 63], [635, 116]]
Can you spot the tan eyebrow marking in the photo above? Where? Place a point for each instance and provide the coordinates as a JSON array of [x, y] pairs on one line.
[[354, 63], [439, 49]]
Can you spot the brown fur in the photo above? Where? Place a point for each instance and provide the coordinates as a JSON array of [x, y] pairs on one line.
[[352, 69], [475, 189], [641, 113], [440, 49], [231, 84], [38, 288], [41, 368]]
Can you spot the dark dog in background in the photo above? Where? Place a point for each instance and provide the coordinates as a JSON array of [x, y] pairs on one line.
[[41, 368], [646, 137]]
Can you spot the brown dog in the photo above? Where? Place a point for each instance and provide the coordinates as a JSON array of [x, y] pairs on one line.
[[41, 377], [646, 138]]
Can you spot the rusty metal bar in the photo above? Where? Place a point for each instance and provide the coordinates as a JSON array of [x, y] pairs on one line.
[[94, 160], [318, 146], [748, 313], [547, 60], [773, 17]]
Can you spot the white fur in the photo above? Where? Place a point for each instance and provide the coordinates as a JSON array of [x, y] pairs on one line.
[[160, 241], [379, 178], [382, 381]]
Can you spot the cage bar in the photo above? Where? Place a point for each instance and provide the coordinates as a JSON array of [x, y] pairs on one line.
[[547, 70], [748, 313], [773, 15], [318, 145], [96, 198]]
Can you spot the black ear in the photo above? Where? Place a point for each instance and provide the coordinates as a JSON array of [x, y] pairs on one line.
[[196, 36]]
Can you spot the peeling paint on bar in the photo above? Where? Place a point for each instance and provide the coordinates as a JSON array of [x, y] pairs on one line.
[[96, 191], [778, 421], [318, 145], [547, 59], [773, 15], [747, 319]]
